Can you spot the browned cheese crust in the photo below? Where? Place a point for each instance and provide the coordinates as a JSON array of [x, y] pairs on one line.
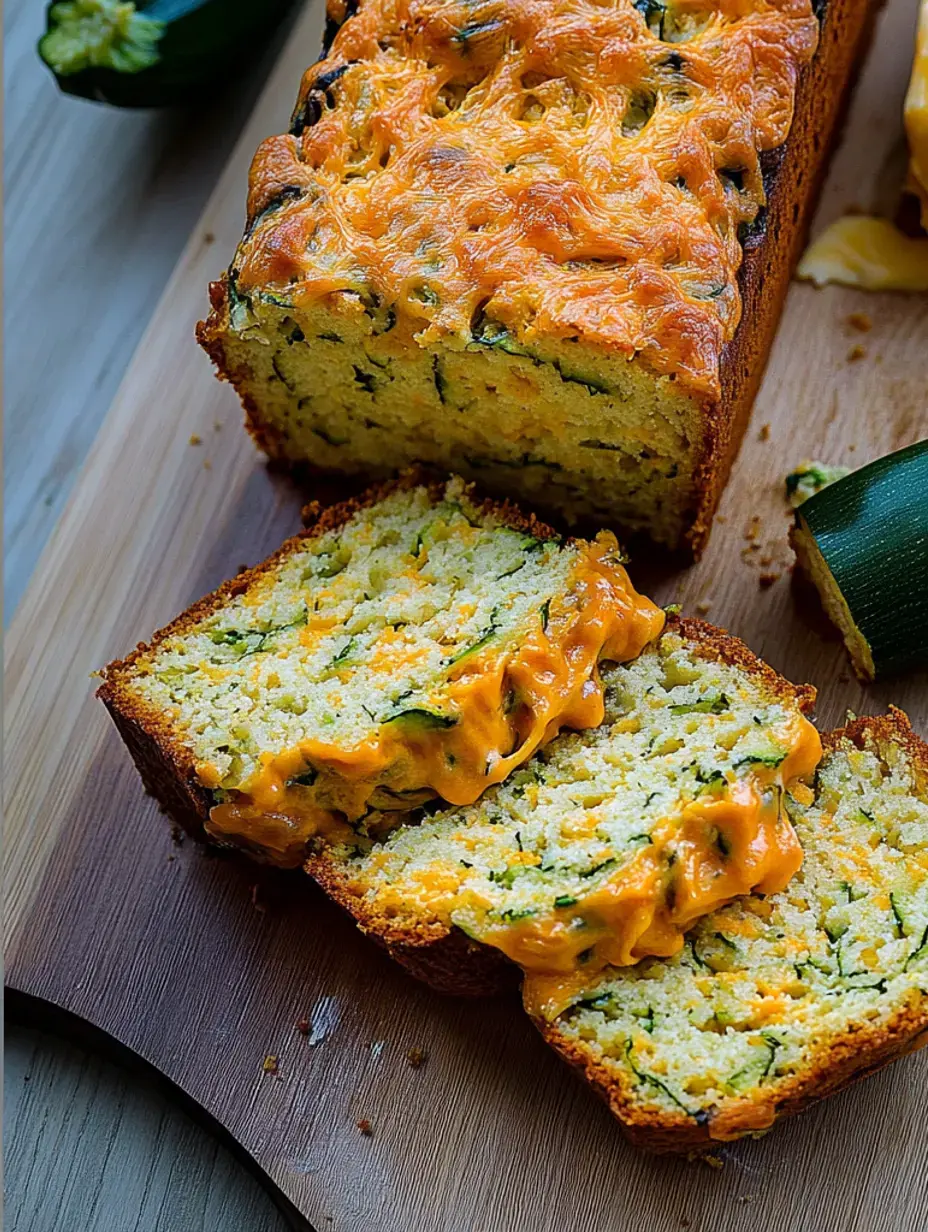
[[792, 174], [441, 955], [840, 1063]]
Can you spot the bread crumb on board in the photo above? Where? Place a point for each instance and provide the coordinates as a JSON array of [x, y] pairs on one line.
[[366, 1128], [860, 321], [416, 1057], [271, 1064], [764, 433], [195, 440], [856, 352], [303, 1026], [705, 1157]]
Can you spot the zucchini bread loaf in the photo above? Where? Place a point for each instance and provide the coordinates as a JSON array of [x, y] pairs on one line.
[[609, 843], [775, 1002], [413, 643], [540, 242]]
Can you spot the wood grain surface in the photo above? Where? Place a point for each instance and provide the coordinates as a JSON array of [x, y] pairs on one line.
[[203, 965], [118, 1155], [98, 202]]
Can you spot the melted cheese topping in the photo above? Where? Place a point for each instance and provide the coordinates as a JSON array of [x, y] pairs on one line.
[[498, 709], [720, 847], [870, 253], [561, 168]]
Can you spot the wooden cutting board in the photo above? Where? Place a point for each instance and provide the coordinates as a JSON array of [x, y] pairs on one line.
[[203, 966]]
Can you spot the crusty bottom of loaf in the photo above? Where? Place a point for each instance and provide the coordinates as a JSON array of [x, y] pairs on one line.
[[344, 388]]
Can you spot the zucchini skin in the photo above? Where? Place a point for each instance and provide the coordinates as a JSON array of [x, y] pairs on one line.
[[203, 42], [870, 530]]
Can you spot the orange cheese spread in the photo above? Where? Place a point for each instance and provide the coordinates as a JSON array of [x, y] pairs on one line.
[[562, 168], [495, 708], [719, 846]]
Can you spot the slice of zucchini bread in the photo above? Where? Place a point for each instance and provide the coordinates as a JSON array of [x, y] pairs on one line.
[[412, 643], [775, 1002], [609, 843], [515, 238]]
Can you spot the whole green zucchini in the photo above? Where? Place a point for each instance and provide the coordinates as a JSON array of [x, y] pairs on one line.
[[155, 53], [863, 541]]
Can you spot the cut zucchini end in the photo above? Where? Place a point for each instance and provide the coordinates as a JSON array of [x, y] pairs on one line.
[[89, 34], [815, 567]]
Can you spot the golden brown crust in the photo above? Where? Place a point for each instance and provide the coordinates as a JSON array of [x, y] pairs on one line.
[[839, 1064], [166, 765], [440, 956], [164, 775], [428, 947]]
